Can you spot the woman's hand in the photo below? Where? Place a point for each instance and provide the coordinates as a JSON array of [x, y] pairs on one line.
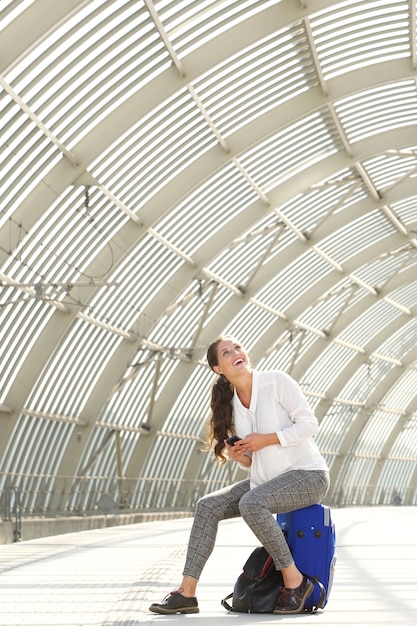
[[252, 443], [238, 453]]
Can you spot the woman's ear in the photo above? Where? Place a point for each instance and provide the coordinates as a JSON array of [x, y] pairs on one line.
[[217, 370]]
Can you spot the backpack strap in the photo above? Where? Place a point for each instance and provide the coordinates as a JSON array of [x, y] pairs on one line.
[[322, 598], [225, 603]]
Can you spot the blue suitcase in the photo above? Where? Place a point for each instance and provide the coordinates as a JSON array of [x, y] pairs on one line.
[[311, 536]]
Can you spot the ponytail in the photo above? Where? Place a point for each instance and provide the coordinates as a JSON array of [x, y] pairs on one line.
[[221, 421], [220, 425]]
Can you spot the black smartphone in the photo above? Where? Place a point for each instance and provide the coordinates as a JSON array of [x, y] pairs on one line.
[[232, 440]]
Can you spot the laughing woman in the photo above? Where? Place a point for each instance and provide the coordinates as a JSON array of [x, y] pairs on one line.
[[275, 427]]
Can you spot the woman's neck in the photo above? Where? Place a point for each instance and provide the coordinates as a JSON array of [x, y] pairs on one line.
[[243, 388]]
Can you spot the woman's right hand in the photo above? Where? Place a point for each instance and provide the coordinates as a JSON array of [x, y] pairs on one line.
[[238, 453]]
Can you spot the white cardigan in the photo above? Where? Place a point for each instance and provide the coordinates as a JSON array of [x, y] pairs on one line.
[[278, 405]]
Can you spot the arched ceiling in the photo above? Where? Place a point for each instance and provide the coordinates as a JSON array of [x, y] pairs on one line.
[[173, 170]]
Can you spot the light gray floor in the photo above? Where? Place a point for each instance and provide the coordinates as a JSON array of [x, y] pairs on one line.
[[110, 576]]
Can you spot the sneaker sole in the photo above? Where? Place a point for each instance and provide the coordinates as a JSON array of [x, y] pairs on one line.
[[300, 609], [185, 609]]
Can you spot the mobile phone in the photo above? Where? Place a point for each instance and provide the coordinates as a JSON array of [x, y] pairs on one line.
[[232, 440]]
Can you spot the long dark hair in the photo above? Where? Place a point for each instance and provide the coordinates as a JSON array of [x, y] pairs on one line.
[[220, 425]]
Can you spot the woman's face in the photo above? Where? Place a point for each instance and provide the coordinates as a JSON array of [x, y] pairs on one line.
[[231, 358]]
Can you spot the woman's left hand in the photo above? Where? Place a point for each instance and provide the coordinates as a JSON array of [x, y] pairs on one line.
[[257, 441]]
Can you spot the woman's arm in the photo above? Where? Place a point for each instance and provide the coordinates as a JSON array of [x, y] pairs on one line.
[[303, 422]]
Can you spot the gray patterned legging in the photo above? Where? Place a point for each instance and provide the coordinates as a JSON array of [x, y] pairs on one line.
[[288, 492]]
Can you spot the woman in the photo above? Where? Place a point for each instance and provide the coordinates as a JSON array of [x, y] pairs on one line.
[[276, 426]]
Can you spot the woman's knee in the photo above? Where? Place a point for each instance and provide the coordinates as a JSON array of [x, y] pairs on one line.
[[248, 503], [205, 502], [209, 506]]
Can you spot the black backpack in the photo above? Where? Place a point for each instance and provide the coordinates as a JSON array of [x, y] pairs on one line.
[[257, 588]]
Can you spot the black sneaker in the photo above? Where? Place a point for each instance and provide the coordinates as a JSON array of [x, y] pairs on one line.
[[175, 602], [293, 600]]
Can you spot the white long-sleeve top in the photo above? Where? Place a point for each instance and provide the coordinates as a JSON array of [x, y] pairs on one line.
[[278, 405]]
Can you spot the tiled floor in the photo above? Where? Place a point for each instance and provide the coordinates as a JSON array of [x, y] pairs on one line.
[[110, 576]]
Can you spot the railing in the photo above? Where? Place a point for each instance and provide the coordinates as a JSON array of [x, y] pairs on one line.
[[13, 490], [40, 495]]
